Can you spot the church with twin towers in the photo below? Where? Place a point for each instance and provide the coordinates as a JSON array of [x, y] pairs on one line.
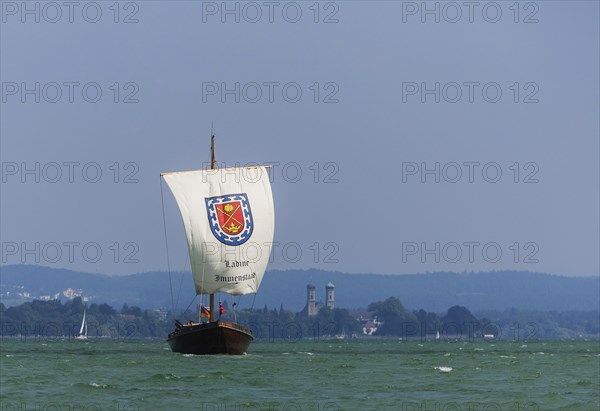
[[313, 307]]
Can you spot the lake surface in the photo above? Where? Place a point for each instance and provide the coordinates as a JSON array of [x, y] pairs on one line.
[[303, 375]]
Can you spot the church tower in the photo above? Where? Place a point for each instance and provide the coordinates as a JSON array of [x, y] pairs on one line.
[[329, 291], [311, 299]]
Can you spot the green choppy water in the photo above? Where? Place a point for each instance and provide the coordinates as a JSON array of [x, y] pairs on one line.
[[305, 375]]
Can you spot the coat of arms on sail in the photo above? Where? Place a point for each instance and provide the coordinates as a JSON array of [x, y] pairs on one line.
[[230, 218]]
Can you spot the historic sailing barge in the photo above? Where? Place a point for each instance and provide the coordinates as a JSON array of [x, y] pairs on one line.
[[223, 211]]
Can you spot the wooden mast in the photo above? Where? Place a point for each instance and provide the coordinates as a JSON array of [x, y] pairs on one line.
[[213, 166]]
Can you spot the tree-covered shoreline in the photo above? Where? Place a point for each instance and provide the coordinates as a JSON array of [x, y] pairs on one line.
[[55, 319]]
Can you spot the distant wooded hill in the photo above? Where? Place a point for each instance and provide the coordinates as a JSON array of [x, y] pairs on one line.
[[496, 290]]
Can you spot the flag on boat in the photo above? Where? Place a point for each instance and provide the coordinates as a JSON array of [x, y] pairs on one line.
[[204, 312]]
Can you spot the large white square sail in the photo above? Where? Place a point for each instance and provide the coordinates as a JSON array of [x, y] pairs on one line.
[[229, 222]]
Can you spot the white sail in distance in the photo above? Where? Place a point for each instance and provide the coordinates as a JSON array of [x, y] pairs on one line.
[[229, 221], [83, 325]]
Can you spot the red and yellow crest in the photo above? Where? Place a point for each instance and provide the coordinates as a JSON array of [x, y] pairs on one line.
[[230, 218]]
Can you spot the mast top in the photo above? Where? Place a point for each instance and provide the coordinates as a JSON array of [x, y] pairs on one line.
[[213, 161]]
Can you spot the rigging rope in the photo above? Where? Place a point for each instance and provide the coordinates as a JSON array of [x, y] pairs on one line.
[[187, 256], [190, 304], [162, 200], [202, 281]]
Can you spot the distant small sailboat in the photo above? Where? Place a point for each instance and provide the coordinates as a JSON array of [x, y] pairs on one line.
[[437, 335], [341, 336], [84, 329]]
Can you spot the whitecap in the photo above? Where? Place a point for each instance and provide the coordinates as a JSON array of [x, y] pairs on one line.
[[443, 369]]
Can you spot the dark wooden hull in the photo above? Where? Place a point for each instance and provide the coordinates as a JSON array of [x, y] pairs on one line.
[[216, 337]]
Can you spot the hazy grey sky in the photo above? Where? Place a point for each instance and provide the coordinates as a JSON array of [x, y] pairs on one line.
[[371, 102]]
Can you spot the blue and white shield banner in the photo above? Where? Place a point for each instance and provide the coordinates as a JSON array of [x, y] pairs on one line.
[[230, 218]]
